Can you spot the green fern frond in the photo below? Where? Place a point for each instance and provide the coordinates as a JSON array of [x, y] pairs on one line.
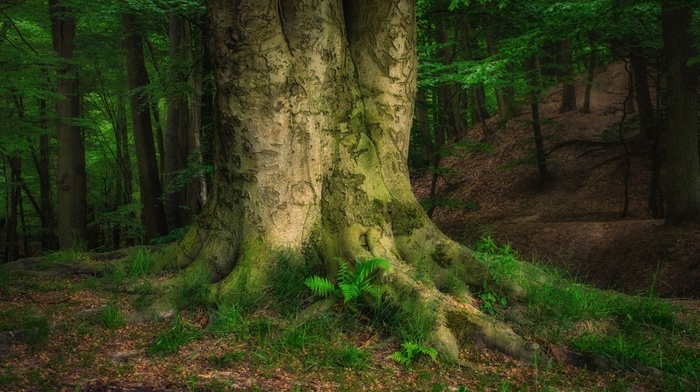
[[345, 275], [400, 358], [410, 350], [350, 291], [373, 290], [320, 286], [368, 267]]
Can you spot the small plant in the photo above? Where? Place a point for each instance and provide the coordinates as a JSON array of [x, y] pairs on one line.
[[410, 351], [111, 316], [493, 303], [140, 263], [193, 291], [174, 338], [76, 254], [37, 330], [226, 360], [349, 356], [228, 319], [351, 283]]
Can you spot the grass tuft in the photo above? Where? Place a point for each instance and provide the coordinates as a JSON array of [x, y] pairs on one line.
[[177, 336]]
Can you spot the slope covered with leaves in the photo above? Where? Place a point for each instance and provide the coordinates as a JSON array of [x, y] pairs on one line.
[[574, 221]]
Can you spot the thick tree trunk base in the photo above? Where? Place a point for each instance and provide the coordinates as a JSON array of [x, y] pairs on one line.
[[242, 269]]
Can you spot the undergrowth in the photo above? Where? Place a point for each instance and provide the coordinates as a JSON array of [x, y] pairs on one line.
[[629, 331]]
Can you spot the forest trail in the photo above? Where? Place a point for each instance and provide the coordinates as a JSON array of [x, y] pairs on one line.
[[573, 222]]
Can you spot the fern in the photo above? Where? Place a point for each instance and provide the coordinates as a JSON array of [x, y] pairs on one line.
[[351, 283], [320, 286], [411, 350]]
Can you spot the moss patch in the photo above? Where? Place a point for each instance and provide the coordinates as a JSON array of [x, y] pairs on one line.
[[439, 256], [404, 218], [466, 331]]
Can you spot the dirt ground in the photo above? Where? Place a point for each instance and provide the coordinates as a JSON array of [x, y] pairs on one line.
[[574, 222]]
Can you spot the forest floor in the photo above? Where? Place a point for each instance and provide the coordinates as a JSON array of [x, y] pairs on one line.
[[65, 320], [573, 222]]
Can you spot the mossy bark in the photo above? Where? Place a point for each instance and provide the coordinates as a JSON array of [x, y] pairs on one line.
[[315, 103]]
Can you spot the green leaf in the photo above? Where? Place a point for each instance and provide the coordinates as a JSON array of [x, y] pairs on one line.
[[320, 286]]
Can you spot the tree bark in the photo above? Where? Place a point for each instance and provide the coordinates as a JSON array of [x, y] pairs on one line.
[[592, 63], [176, 142], [316, 104], [72, 183], [540, 155], [568, 90], [149, 180], [683, 162]]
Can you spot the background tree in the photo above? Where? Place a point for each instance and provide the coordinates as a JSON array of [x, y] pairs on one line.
[[149, 178], [683, 162], [72, 181]]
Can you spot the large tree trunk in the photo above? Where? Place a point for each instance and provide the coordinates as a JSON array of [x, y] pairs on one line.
[[149, 180], [316, 104], [72, 182], [683, 163]]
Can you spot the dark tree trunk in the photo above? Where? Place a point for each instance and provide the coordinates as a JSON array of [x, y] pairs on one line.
[[645, 108], [176, 142], [11, 240], [149, 180], [540, 155], [72, 185], [41, 161], [197, 189], [592, 63], [568, 92], [683, 162]]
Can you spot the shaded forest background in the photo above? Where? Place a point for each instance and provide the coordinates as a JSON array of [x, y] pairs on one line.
[[546, 124]]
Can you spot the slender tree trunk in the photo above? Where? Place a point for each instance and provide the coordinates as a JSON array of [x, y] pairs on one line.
[[72, 182], [645, 108], [11, 250], [41, 161], [533, 71], [683, 161], [197, 189], [176, 142], [149, 180], [592, 64], [422, 125], [568, 91]]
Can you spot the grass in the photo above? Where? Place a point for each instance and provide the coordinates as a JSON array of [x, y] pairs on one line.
[[140, 263], [111, 316], [170, 341], [268, 344], [629, 331]]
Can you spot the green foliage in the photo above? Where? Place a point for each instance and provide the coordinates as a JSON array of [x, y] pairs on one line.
[[351, 282], [226, 360], [288, 276], [173, 236], [140, 263], [349, 356], [411, 351], [36, 330], [193, 289], [123, 218], [493, 303], [74, 255], [177, 336], [502, 261], [227, 318], [111, 316]]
